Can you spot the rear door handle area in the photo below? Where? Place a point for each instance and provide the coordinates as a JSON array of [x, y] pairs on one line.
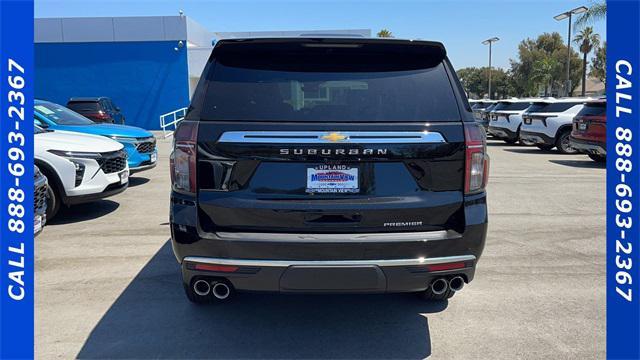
[[332, 219]]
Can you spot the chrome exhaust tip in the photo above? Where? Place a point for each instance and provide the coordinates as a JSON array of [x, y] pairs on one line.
[[201, 287], [221, 290], [456, 283], [439, 286]]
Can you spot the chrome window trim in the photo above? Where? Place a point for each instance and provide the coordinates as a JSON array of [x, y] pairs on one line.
[[287, 263], [317, 137]]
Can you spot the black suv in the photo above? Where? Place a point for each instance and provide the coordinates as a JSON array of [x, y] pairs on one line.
[[100, 109], [328, 165]]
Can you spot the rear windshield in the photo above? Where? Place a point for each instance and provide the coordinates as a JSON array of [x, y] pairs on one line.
[[551, 107], [511, 106], [84, 106], [594, 109], [490, 107], [334, 91], [479, 105]]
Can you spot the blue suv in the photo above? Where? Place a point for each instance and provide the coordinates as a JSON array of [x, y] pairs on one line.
[[139, 144]]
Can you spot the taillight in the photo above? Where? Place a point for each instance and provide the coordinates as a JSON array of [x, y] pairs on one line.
[[183, 157], [476, 158], [101, 115]]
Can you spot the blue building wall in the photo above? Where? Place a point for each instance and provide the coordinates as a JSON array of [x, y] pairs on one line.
[[144, 79]]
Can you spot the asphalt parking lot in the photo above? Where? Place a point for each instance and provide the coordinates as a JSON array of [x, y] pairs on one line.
[[108, 286]]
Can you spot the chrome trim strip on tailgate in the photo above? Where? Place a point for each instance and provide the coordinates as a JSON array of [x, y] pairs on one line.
[[329, 137], [287, 263], [335, 238]]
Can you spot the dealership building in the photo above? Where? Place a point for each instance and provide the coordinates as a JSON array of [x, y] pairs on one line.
[[149, 66]]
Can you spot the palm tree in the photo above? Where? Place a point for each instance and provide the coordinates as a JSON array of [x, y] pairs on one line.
[[384, 33], [587, 40], [543, 73], [597, 11]]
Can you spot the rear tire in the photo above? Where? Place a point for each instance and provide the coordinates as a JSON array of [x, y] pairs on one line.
[[430, 296], [598, 158], [564, 144], [545, 147]]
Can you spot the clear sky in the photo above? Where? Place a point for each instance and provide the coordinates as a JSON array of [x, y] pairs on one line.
[[460, 25]]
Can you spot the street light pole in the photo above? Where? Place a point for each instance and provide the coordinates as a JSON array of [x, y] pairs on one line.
[[568, 83], [568, 15], [490, 43]]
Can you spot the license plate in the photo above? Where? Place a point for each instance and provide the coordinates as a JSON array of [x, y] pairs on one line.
[[124, 177], [154, 157], [527, 121], [37, 223], [332, 179], [582, 126]]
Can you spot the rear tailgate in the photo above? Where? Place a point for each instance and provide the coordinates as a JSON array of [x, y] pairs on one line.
[[329, 136], [248, 186], [591, 123]]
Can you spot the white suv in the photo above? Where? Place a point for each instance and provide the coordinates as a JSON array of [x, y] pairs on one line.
[[547, 123], [80, 168], [506, 118]]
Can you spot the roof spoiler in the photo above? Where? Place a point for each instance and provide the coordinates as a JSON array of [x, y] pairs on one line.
[[434, 50]]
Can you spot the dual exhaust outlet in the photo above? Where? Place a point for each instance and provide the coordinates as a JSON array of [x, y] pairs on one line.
[[218, 289], [440, 285], [221, 291]]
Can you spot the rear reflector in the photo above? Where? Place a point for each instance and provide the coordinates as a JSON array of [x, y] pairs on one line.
[[447, 266], [218, 268]]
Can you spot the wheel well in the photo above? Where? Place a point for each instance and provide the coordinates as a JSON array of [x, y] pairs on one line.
[[52, 177], [564, 128]]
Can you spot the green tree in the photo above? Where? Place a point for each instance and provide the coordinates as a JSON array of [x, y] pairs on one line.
[[599, 63], [597, 11], [542, 73], [586, 39], [384, 33], [476, 82], [472, 81], [530, 51]]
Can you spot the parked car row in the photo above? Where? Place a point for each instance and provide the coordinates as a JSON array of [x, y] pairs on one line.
[[571, 125], [82, 161]]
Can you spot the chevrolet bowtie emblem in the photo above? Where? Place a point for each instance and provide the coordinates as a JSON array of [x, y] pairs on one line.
[[333, 137]]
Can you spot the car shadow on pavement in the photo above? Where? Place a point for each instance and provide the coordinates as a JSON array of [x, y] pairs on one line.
[[153, 319], [499, 143], [531, 150], [83, 212], [587, 163], [137, 180]]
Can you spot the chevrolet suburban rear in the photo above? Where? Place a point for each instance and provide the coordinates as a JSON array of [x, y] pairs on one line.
[[333, 165]]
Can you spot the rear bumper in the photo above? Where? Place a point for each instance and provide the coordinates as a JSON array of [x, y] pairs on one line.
[[589, 147], [537, 138], [362, 276], [328, 262], [503, 133]]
